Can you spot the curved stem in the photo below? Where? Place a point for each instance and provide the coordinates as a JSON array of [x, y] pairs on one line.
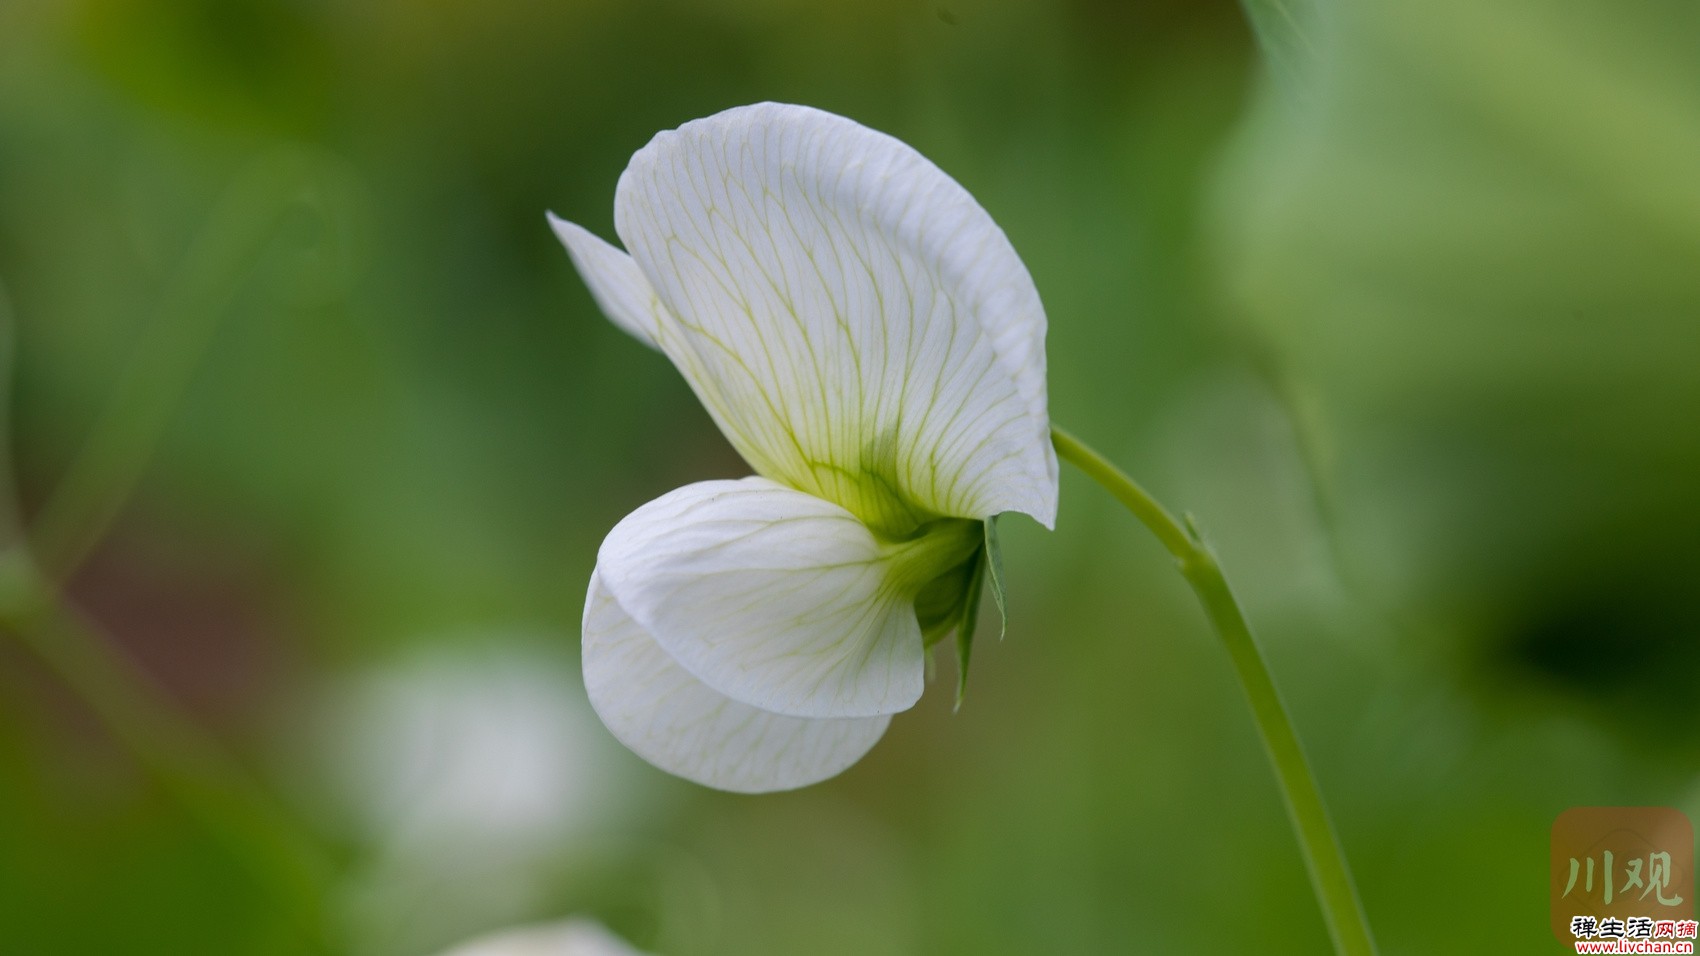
[[1329, 875]]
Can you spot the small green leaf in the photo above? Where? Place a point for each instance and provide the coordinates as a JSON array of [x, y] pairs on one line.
[[1192, 529], [994, 565]]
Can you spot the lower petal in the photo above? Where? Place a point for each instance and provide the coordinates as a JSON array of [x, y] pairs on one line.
[[775, 598], [675, 722]]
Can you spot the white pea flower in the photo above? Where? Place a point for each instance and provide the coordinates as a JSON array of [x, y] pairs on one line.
[[867, 339], [573, 937]]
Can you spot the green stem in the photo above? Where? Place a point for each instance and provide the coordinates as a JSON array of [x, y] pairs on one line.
[[1329, 875]]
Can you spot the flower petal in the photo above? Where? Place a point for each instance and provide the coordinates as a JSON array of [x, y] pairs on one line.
[[677, 723], [614, 280], [854, 321], [775, 598]]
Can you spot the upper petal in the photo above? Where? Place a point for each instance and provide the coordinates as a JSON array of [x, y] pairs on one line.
[[855, 322], [677, 723], [615, 281], [775, 598]]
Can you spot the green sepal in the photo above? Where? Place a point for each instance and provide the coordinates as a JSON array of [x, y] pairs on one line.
[[988, 566], [994, 566], [938, 608], [950, 603], [965, 625]]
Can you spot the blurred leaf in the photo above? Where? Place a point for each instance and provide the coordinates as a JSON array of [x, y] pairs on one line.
[[1469, 255], [1285, 32]]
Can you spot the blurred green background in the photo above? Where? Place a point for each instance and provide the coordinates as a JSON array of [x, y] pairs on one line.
[[1411, 322]]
